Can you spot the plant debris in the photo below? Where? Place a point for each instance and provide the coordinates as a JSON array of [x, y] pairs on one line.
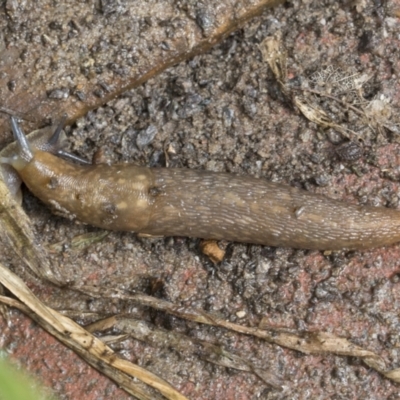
[[332, 98]]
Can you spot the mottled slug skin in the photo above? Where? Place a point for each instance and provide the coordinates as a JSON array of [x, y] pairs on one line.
[[116, 197], [183, 202]]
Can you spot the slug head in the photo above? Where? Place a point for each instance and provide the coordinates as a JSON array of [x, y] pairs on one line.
[[17, 155]]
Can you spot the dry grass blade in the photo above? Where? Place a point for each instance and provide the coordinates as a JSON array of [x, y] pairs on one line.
[[185, 345], [394, 375], [275, 55], [15, 228], [305, 342], [80, 242], [316, 114], [313, 113], [93, 350]]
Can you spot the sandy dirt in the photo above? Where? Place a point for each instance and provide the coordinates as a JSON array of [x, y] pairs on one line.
[[224, 111]]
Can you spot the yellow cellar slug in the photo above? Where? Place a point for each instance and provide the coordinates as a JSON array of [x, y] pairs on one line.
[[203, 204]]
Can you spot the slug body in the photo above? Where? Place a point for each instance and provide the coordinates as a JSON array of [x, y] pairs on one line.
[[183, 202]]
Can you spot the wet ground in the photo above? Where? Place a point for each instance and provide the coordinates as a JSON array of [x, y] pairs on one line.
[[224, 111]]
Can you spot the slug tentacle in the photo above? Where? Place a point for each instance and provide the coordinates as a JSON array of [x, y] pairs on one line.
[[55, 143], [183, 202], [73, 157], [55, 139], [25, 151]]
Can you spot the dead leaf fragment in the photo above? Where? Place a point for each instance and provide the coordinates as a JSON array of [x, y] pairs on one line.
[[211, 249]]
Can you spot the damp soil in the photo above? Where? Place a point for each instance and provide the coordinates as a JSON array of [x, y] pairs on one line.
[[224, 111]]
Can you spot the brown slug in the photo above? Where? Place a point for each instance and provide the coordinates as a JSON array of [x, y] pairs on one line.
[[203, 204]]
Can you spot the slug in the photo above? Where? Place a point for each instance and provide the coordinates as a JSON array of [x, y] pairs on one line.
[[202, 204]]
